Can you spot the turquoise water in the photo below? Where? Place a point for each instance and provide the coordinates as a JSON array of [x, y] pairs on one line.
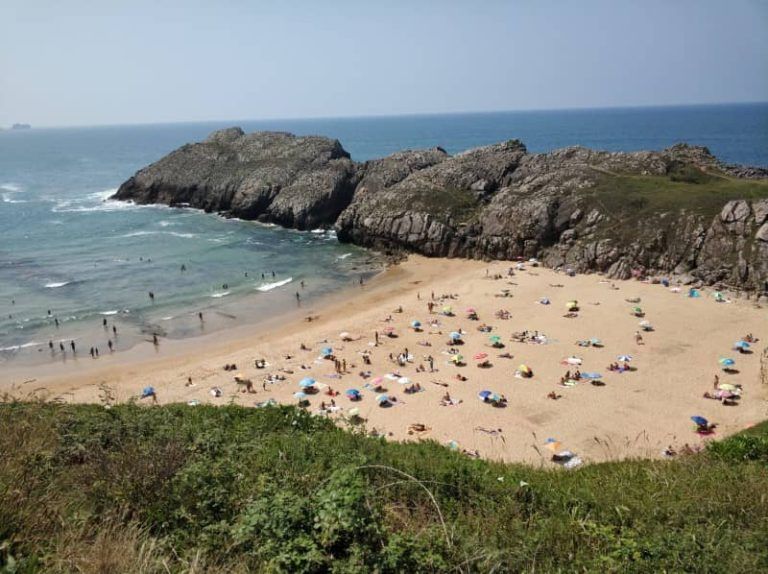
[[65, 249]]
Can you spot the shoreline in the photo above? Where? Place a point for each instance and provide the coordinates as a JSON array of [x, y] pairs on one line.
[[634, 414]]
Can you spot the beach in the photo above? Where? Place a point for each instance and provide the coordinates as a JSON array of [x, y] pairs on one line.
[[636, 413]]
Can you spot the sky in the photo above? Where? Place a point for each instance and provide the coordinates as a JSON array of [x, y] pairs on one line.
[[92, 62]]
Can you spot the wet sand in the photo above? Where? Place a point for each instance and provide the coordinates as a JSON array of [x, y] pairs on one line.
[[634, 414]]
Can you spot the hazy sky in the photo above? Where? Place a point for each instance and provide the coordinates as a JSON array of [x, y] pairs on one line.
[[78, 62]]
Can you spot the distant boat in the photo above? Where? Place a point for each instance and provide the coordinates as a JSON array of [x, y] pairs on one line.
[[21, 127]]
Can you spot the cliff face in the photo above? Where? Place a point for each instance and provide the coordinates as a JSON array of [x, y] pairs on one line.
[[678, 211]]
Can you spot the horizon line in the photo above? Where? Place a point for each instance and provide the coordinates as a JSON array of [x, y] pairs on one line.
[[400, 115]]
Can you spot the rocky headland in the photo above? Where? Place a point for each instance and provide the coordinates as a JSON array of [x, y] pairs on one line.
[[679, 211]]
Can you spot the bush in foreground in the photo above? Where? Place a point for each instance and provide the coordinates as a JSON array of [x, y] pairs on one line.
[[232, 489]]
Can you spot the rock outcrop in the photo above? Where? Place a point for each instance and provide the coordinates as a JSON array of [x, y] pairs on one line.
[[678, 211], [301, 182]]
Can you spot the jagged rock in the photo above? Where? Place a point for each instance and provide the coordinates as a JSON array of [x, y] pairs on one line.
[[572, 207]]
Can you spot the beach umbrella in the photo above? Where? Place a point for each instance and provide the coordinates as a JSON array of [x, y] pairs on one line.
[[381, 399], [377, 381], [389, 329], [741, 345], [404, 381], [645, 323], [354, 412], [326, 351], [595, 341], [457, 358], [300, 395], [726, 362], [571, 305], [524, 369], [480, 356], [416, 324], [637, 309], [482, 395], [470, 311], [624, 358], [455, 335], [573, 361], [447, 310], [148, 391], [494, 339], [701, 421], [352, 393], [545, 301], [723, 394], [307, 382]]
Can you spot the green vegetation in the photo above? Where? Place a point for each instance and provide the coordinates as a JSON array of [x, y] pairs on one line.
[[684, 188], [457, 205], [230, 489]]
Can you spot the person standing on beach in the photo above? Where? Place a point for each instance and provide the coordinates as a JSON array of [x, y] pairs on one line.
[[104, 322], [50, 345], [114, 330], [109, 344], [152, 296], [155, 342], [61, 346], [376, 336], [72, 346], [200, 315], [298, 298], [93, 356]]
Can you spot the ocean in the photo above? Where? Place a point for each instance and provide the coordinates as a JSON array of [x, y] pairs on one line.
[[70, 256]]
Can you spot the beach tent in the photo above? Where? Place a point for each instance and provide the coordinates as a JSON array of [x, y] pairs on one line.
[[694, 293], [307, 382], [718, 296]]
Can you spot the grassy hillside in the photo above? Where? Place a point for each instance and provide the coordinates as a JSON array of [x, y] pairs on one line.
[[231, 489]]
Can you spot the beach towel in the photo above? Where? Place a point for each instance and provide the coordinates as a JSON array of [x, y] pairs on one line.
[[591, 376]]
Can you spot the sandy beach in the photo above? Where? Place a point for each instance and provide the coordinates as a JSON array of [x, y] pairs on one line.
[[634, 413]]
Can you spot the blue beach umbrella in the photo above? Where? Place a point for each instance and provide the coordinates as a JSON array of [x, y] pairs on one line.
[[381, 399], [482, 395], [300, 395], [700, 420], [455, 335], [727, 362], [741, 345], [416, 324], [353, 393], [307, 382], [326, 351], [148, 391]]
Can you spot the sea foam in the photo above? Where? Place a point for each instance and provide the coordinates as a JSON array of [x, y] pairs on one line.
[[269, 286]]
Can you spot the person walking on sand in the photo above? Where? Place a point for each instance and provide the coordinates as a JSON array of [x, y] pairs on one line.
[[50, 345], [298, 298], [638, 338], [109, 344], [114, 330], [155, 342], [376, 336]]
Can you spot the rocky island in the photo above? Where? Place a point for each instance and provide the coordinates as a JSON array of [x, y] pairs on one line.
[[679, 211]]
